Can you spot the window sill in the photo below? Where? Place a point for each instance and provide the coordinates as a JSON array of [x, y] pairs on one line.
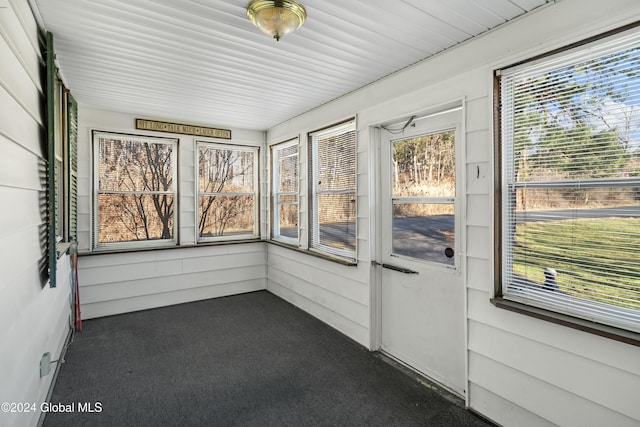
[[343, 261], [164, 248], [605, 331]]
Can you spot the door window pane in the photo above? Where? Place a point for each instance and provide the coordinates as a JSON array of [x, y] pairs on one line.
[[424, 166], [428, 232], [423, 187]]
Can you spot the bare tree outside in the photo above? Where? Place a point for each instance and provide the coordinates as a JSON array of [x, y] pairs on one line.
[[135, 189], [226, 190]]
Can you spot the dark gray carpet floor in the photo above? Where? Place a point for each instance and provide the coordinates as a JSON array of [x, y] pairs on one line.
[[245, 360]]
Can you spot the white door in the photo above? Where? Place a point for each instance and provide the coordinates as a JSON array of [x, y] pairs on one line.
[[421, 287]]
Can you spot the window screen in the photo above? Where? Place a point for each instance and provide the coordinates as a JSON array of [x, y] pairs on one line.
[[570, 131], [333, 190]]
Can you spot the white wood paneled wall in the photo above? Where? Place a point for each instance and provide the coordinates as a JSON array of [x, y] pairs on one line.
[[129, 281], [35, 318], [336, 294], [124, 282], [521, 371]]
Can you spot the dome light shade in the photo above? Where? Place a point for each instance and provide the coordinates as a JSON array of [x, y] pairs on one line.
[[276, 17]]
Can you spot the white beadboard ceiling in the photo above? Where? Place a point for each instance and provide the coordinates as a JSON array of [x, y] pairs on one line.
[[202, 61]]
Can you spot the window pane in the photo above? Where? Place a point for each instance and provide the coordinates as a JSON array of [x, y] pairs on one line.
[[571, 207], [337, 221], [227, 191], [226, 215], [424, 231], [582, 242], [133, 165], [127, 217], [288, 174], [336, 162], [135, 189], [425, 166], [333, 202], [225, 170], [285, 191], [288, 220]]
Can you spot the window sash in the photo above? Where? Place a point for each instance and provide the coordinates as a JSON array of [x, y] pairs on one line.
[[172, 193], [279, 155], [583, 159], [331, 231], [216, 197]]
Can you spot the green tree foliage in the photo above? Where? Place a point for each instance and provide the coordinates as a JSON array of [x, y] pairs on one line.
[[577, 122], [576, 146], [427, 159]]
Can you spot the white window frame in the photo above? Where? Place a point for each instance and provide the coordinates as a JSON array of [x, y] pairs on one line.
[[256, 206], [437, 127], [578, 312], [275, 184], [138, 244], [314, 229]]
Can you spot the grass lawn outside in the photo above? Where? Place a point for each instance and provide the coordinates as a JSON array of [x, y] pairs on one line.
[[596, 259]]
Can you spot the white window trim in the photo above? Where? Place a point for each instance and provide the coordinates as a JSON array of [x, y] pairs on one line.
[[275, 226], [142, 244], [256, 214], [602, 314], [340, 127]]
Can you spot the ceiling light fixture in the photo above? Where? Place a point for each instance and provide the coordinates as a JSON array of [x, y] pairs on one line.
[[276, 17]]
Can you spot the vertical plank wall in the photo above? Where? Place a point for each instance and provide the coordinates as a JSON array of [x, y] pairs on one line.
[[521, 371], [34, 317], [129, 281]]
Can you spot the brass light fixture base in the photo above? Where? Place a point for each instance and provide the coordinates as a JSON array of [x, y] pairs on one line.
[[276, 17]]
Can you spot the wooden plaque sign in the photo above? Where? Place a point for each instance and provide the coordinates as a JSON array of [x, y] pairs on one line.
[[182, 129]]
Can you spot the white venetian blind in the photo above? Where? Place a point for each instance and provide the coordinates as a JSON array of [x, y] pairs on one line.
[[571, 182], [333, 204]]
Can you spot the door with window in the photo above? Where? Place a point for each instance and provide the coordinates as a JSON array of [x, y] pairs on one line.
[[422, 288]]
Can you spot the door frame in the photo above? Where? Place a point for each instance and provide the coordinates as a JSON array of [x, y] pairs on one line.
[[375, 211]]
